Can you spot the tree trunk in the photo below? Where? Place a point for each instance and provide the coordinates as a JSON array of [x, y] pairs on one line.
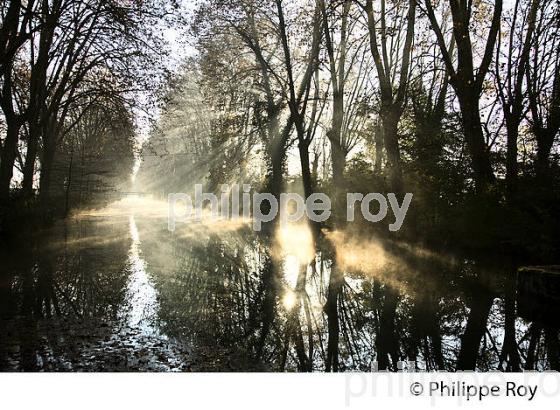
[[277, 174], [307, 178], [269, 291], [510, 354], [303, 147], [512, 167], [476, 144], [378, 140], [8, 157], [535, 332], [338, 79], [338, 156], [545, 140], [390, 120], [334, 292], [476, 327], [552, 348], [276, 156], [294, 323], [387, 343], [47, 161], [68, 185], [30, 159]]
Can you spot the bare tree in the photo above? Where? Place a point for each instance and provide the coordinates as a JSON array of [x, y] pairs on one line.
[[543, 84], [391, 47], [467, 81], [511, 90], [14, 33], [298, 98]]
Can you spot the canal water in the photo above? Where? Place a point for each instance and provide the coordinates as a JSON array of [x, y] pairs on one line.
[[113, 290]]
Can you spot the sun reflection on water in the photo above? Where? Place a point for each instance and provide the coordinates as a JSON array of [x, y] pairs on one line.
[[296, 250], [142, 305]]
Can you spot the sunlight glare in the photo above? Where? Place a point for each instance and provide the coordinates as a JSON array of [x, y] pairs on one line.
[[289, 300], [296, 240]]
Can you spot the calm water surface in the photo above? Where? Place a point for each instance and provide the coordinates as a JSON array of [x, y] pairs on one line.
[[114, 290]]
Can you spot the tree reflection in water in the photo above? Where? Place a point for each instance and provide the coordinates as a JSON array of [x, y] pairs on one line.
[[122, 293]]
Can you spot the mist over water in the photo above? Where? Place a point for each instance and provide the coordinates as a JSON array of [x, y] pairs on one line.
[[113, 289]]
